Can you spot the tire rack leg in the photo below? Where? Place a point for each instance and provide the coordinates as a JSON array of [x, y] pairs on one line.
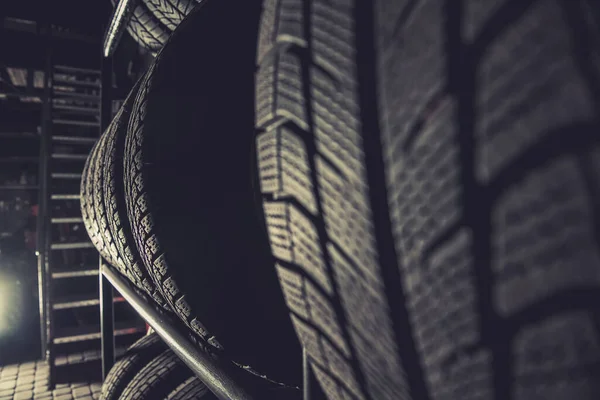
[[106, 290], [107, 322], [43, 229]]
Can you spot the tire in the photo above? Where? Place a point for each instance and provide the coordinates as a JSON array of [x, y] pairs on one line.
[[158, 378], [191, 389], [146, 29], [430, 182], [119, 232], [205, 250], [170, 12], [90, 214], [131, 363], [105, 243], [87, 219]]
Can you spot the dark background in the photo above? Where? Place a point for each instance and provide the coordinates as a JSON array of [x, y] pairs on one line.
[[78, 27]]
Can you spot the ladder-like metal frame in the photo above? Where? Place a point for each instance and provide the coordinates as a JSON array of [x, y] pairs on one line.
[[46, 273]]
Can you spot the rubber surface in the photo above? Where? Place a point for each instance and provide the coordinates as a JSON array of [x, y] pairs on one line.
[[92, 216], [119, 233], [105, 243], [83, 195], [157, 378], [170, 12], [146, 29], [189, 193], [131, 363], [431, 185], [191, 389]]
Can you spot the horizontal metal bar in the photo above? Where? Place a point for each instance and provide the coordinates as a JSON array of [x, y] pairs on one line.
[[65, 197], [77, 95], [74, 139], [74, 273], [75, 123], [76, 109], [71, 246], [18, 187], [73, 220], [25, 93], [76, 82], [61, 156], [63, 304], [66, 68], [92, 332], [207, 369], [19, 159], [65, 175]]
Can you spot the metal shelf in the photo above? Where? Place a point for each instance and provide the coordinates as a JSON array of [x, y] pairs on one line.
[[93, 332], [66, 273]]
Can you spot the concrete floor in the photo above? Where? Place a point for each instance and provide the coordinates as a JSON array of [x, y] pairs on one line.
[[30, 381]]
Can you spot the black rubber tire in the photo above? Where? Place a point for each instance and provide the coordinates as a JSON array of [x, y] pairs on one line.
[[146, 29], [170, 12], [114, 198], [90, 214], [206, 251], [130, 364], [83, 196], [105, 242], [191, 389], [158, 378], [431, 183]]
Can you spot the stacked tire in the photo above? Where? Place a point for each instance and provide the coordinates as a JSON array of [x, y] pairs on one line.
[[150, 370], [189, 238], [103, 205], [153, 21]]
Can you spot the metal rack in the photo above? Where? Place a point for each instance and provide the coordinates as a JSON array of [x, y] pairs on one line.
[[72, 116]]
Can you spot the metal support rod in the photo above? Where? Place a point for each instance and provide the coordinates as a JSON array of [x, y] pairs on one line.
[[107, 324], [202, 364], [43, 198], [106, 76], [118, 23], [106, 294]]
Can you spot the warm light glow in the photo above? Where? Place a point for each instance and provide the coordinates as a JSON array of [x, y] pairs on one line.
[[11, 302]]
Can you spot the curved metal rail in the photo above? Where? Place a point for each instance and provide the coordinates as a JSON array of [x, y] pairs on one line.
[[214, 377]]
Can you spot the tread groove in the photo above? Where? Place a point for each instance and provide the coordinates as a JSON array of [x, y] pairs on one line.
[[378, 195], [477, 202]]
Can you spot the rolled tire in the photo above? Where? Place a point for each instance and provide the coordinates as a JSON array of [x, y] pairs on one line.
[[206, 250], [130, 364], [170, 12], [119, 230], [191, 389], [105, 241], [146, 29], [430, 181], [90, 214], [157, 378], [83, 196]]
